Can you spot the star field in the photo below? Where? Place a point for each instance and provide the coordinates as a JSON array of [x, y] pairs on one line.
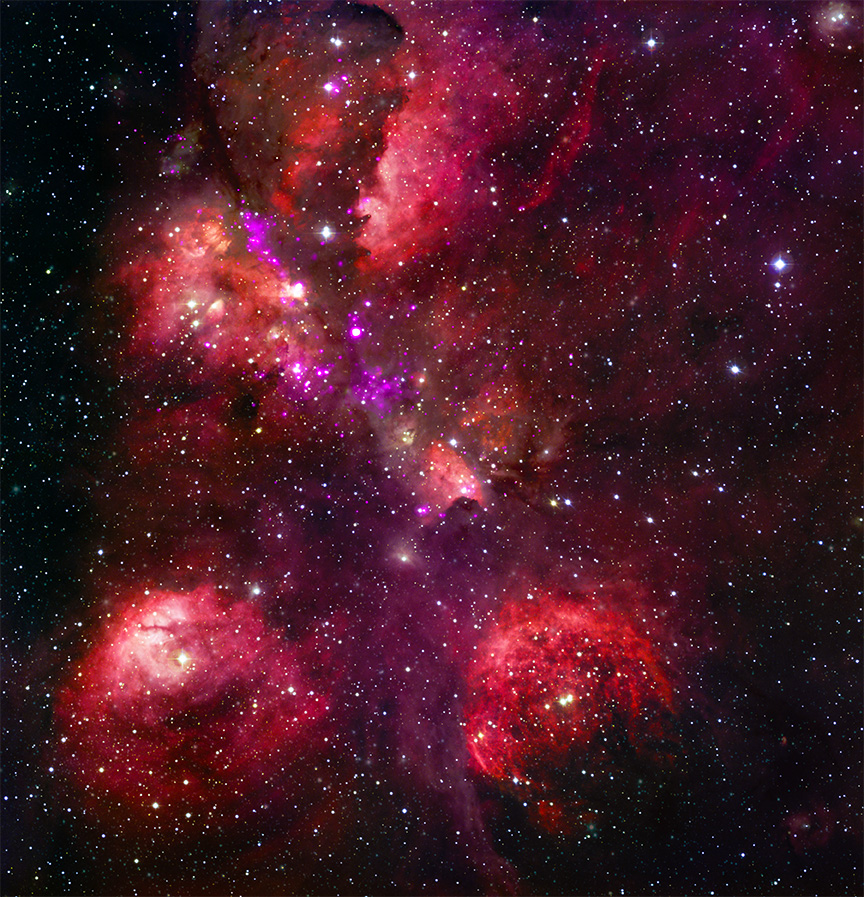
[[433, 439]]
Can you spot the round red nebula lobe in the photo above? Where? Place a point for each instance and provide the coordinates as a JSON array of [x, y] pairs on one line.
[[185, 705], [562, 693]]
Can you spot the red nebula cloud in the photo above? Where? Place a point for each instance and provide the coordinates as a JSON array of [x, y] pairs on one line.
[[204, 305], [449, 477], [186, 706], [564, 693], [301, 130], [432, 179]]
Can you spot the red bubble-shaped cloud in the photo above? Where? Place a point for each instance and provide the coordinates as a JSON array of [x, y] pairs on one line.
[[566, 694], [187, 707]]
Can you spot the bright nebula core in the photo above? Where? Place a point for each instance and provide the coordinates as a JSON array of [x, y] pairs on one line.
[[461, 407]]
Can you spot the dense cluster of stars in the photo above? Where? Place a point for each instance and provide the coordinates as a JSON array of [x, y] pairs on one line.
[[468, 450]]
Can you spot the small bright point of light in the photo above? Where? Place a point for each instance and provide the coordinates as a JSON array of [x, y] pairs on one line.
[[650, 519], [326, 232], [335, 41], [567, 699], [356, 332], [554, 502], [779, 264], [734, 369], [412, 75], [329, 87], [155, 805], [183, 658], [651, 43]]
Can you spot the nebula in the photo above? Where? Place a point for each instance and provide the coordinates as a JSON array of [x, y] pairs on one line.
[[471, 506], [184, 706], [566, 689]]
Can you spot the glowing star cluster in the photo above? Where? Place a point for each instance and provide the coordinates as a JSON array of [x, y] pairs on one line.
[[212, 300]]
